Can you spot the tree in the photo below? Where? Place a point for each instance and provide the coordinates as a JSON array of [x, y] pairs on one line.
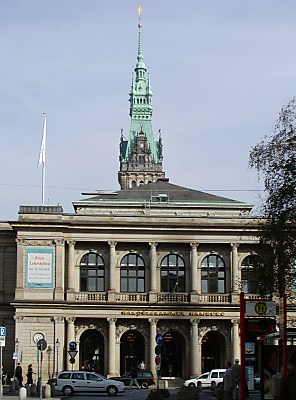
[[274, 158]]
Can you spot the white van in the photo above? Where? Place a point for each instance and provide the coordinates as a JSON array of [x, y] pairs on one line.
[[210, 379]]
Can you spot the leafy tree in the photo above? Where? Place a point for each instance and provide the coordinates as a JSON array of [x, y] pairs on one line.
[[274, 158]]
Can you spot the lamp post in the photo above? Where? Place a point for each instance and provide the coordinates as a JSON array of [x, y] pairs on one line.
[[48, 352], [57, 347]]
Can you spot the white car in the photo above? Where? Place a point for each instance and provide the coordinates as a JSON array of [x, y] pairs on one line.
[[210, 379], [69, 382]]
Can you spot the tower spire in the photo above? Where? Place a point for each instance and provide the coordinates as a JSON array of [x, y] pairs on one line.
[[140, 155]]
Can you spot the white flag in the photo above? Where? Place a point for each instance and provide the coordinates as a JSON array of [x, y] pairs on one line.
[[43, 143]]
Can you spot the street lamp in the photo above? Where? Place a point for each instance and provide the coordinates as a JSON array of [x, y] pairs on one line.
[[48, 352], [57, 346]]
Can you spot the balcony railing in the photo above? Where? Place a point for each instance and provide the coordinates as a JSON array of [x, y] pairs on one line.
[[213, 298], [169, 298], [172, 298]]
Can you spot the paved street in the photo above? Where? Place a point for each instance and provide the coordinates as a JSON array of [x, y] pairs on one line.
[[128, 395]]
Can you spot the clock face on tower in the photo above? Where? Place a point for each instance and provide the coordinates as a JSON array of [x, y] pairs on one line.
[[38, 336]]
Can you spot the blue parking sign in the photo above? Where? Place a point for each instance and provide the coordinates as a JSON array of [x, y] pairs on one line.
[[2, 331]]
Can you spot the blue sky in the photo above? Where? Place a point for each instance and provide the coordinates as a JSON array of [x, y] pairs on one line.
[[220, 72]]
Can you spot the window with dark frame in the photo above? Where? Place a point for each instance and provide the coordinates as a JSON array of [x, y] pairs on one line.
[[213, 274], [92, 273], [132, 274], [173, 274]]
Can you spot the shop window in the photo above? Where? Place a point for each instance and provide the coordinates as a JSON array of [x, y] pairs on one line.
[[132, 274], [213, 274], [173, 274], [92, 273], [248, 281]]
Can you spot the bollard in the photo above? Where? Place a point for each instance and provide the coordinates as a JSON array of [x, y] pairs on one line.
[[33, 388], [22, 393], [166, 384], [47, 391]]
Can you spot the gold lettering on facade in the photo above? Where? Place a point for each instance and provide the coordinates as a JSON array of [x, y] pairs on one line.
[[174, 313]]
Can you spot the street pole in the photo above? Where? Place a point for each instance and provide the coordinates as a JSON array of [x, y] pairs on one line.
[[1, 368], [243, 341], [285, 348]]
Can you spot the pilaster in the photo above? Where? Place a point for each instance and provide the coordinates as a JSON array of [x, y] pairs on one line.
[[59, 269]]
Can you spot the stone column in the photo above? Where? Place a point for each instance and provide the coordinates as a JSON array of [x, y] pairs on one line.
[[194, 348], [153, 246], [112, 339], [193, 266], [2, 280], [70, 338], [71, 266], [60, 336], [235, 340], [20, 270], [113, 286], [59, 269], [153, 322], [235, 272]]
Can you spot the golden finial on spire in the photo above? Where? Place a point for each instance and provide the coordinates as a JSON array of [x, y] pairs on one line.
[[139, 9]]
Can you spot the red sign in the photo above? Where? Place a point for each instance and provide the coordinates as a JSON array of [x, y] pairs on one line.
[[157, 360]]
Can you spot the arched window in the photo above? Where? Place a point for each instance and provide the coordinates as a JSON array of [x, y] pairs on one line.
[[92, 273], [248, 281], [132, 274], [172, 274], [213, 274]]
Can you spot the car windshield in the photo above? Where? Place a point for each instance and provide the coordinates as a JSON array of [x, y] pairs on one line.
[[204, 376]]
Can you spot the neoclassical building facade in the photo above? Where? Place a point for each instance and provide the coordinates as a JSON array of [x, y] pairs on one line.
[[152, 257]]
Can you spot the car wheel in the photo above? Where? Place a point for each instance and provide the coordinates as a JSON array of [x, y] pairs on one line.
[[144, 385], [68, 390], [112, 390], [191, 385]]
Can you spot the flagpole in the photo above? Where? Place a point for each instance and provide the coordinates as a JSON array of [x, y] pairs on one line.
[[43, 183], [42, 158]]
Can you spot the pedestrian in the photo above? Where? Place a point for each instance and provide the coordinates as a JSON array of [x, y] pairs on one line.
[[236, 370], [19, 374], [228, 383], [142, 365], [30, 375], [133, 380]]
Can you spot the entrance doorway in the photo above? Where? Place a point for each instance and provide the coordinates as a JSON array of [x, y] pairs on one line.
[[213, 351], [172, 354], [91, 350], [132, 350]]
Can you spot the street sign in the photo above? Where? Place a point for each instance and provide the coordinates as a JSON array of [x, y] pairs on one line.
[[260, 308], [72, 354], [159, 339], [41, 344], [72, 346], [158, 350], [72, 360], [14, 355], [157, 360], [2, 331], [2, 341]]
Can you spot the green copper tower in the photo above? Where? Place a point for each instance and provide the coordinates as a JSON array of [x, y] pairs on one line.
[[141, 155]]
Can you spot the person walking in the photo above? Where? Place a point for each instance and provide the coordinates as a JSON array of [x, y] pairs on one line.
[[228, 382], [19, 374], [236, 370], [30, 375], [133, 380]]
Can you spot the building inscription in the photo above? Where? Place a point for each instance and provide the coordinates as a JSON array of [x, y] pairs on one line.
[[175, 313]]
